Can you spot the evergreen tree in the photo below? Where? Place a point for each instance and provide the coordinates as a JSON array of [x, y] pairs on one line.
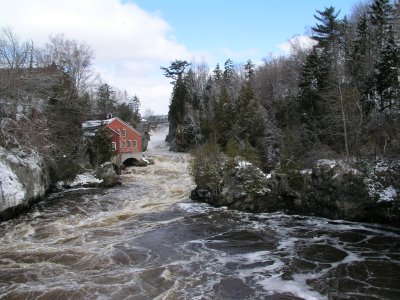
[[223, 119], [217, 73], [176, 111], [192, 89], [327, 32], [64, 121], [134, 105], [100, 149], [381, 11], [249, 70], [312, 83], [387, 74], [128, 111], [176, 114], [361, 63], [229, 72], [105, 98], [207, 113], [249, 125], [175, 70]]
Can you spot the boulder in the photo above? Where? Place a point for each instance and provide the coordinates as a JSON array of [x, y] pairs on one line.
[[107, 173]]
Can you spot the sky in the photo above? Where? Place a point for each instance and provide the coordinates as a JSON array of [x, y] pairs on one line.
[[132, 39]]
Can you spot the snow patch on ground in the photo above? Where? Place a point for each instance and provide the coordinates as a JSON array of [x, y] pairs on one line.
[[327, 162], [83, 179], [332, 163], [381, 182], [388, 194], [306, 172], [243, 164]]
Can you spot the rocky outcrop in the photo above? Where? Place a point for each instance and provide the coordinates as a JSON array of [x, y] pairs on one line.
[[183, 137], [24, 179], [108, 175], [367, 192]]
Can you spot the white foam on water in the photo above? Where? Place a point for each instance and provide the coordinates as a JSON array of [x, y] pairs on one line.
[[194, 207], [296, 287], [157, 138]]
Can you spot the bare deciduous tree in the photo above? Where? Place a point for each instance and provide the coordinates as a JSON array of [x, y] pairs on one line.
[[14, 54], [73, 57], [14, 57]]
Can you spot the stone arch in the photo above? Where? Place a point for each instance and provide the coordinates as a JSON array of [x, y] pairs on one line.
[[129, 162]]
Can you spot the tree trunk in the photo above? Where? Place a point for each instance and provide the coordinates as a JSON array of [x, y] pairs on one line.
[[343, 110]]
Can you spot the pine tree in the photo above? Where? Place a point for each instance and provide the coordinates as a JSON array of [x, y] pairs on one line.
[[177, 106], [207, 113], [176, 111], [361, 64], [65, 131], [134, 105], [249, 123], [381, 11], [105, 98], [217, 73], [387, 74], [101, 147], [229, 72], [312, 84], [193, 91], [223, 119], [327, 32], [249, 70], [175, 70]]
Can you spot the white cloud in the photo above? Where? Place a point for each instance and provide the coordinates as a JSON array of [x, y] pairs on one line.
[[297, 42], [130, 44]]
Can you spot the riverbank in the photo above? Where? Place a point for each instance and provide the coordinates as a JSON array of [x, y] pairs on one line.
[[25, 180], [146, 239], [363, 191]]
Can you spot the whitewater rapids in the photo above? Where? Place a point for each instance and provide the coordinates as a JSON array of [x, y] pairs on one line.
[[147, 240]]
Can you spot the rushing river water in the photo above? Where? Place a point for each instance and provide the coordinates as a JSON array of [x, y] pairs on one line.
[[147, 240]]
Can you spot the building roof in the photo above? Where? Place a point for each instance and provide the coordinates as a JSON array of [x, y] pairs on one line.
[[90, 127], [96, 123]]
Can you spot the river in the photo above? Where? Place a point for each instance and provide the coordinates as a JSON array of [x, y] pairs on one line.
[[146, 239]]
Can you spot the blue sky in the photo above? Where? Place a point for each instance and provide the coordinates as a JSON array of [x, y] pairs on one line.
[[133, 38], [244, 29]]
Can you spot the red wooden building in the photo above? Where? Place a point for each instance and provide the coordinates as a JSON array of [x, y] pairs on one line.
[[125, 138], [126, 141]]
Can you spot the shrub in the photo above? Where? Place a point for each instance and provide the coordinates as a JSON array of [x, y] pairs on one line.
[[207, 166]]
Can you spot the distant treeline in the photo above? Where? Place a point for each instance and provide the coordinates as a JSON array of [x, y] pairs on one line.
[[337, 97]]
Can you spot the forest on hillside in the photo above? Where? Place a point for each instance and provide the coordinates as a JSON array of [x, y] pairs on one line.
[[339, 98], [45, 95]]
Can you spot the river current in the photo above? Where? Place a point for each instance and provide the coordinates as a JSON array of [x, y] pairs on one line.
[[146, 239]]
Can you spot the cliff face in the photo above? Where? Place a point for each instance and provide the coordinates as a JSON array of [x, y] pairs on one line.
[[23, 179], [367, 191]]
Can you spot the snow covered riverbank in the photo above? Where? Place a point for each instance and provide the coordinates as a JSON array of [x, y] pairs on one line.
[[23, 178]]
